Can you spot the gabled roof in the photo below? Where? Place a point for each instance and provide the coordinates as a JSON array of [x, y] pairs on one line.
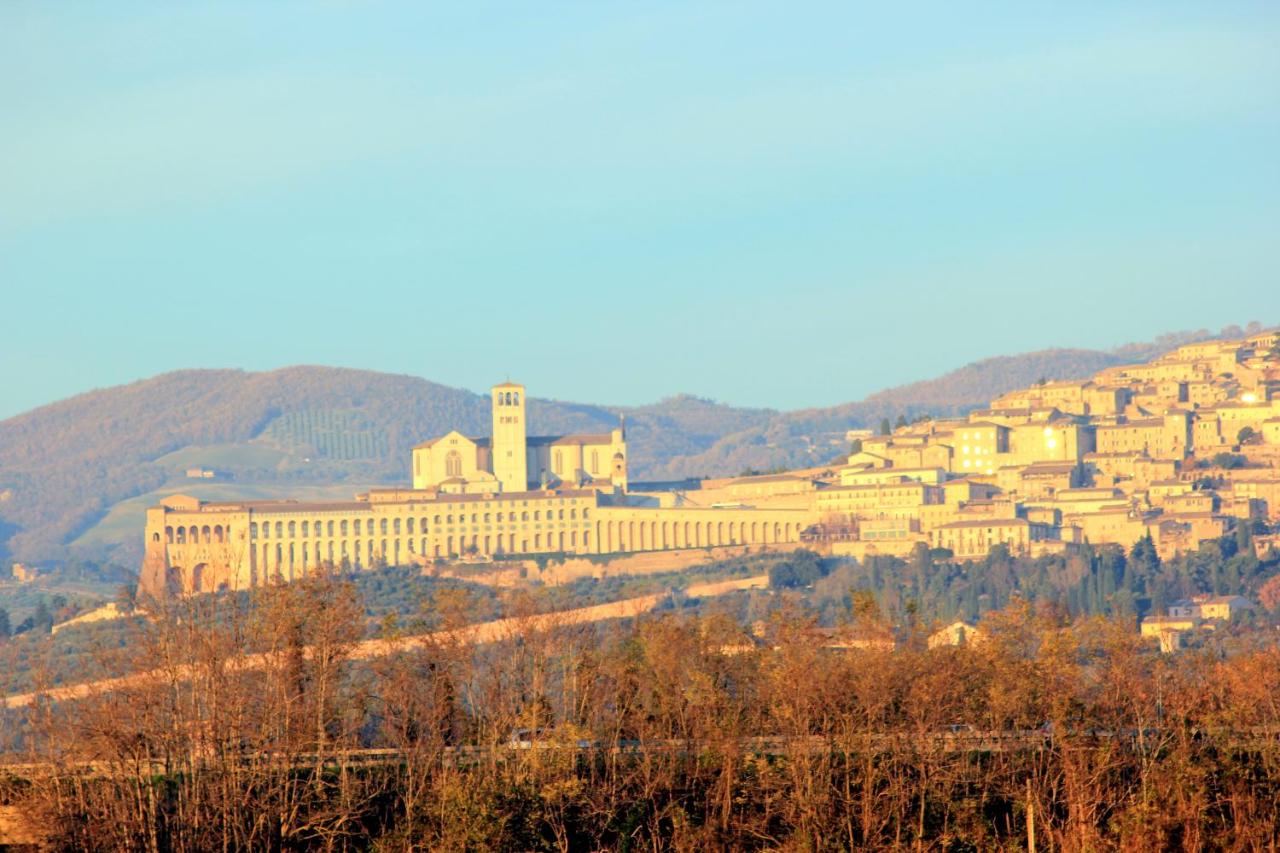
[[478, 442]]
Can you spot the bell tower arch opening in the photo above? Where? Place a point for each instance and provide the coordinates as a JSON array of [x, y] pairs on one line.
[[510, 437]]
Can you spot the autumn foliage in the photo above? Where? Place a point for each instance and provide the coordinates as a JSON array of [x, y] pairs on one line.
[[673, 731]]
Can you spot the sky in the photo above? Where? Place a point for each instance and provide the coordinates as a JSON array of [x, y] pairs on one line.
[[767, 204]]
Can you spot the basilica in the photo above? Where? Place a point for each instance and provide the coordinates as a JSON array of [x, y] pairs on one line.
[[505, 495], [513, 461]]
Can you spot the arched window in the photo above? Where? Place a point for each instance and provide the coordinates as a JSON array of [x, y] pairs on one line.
[[330, 528], [293, 529], [368, 528], [279, 529], [384, 527], [423, 526], [595, 462], [558, 464], [306, 528], [343, 527], [515, 398], [453, 464]]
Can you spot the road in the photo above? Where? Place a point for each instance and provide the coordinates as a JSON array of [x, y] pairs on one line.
[[483, 632]]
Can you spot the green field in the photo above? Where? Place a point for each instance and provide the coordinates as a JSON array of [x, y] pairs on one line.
[[223, 457]]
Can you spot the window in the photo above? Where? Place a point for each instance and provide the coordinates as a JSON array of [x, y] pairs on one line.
[[453, 464]]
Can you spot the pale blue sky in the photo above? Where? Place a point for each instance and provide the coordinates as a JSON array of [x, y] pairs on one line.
[[777, 204]]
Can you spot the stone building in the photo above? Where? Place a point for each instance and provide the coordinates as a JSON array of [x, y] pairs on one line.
[[469, 497], [510, 460]]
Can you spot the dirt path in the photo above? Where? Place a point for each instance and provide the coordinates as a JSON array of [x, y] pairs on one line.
[[483, 632]]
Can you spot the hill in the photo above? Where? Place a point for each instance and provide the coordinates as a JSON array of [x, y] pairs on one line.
[[75, 474]]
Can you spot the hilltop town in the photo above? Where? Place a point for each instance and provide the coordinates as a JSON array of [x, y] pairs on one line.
[[1179, 451]]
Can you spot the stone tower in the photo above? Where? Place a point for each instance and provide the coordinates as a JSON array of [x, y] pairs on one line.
[[509, 439]]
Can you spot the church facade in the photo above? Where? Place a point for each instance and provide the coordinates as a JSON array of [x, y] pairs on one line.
[[510, 460]]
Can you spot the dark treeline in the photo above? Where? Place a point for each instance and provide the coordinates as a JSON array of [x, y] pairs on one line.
[[1105, 580], [644, 735]]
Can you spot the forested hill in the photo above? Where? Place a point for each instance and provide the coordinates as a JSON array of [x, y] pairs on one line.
[[65, 466]]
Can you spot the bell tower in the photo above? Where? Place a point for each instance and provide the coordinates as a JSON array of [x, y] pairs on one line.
[[509, 440]]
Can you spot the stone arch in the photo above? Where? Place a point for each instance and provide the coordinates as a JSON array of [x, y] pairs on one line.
[[168, 535]]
